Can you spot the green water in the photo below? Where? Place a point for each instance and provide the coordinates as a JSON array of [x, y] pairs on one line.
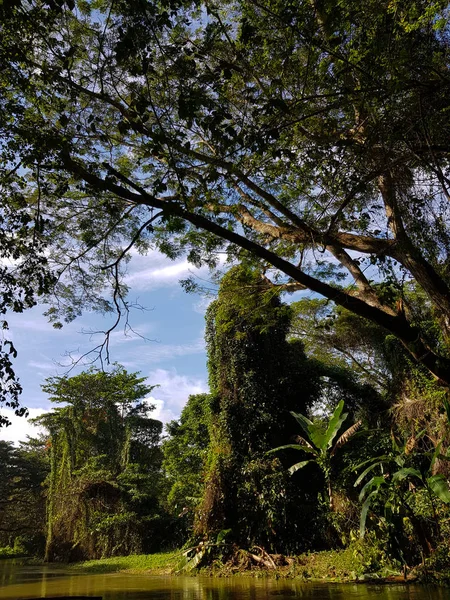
[[19, 580]]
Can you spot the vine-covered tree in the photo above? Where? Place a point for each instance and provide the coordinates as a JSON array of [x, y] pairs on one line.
[[102, 490], [313, 135], [255, 377]]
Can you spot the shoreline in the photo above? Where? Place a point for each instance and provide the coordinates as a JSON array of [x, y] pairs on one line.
[[318, 567]]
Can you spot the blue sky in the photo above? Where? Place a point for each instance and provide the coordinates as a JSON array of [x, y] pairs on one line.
[[172, 355]]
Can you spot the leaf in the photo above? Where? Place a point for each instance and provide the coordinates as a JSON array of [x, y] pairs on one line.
[[298, 466], [193, 562], [336, 420], [366, 471], [377, 459], [301, 440], [364, 510], [438, 484], [304, 423], [346, 436], [318, 436], [406, 472], [309, 449], [374, 482], [223, 533], [447, 409], [436, 455]]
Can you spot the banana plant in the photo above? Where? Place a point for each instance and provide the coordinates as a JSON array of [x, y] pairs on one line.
[[386, 486], [318, 442]]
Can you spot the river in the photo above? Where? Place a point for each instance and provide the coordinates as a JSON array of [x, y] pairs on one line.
[[19, 580]]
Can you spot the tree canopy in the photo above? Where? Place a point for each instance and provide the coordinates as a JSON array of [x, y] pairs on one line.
[[310, 135]]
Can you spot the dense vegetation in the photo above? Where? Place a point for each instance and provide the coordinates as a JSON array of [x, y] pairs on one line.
[[307, 139], [292, 450], [310, 135]]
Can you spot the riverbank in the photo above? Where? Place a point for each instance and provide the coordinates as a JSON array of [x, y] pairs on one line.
[[8, 552], [332, 566], [348, 565]]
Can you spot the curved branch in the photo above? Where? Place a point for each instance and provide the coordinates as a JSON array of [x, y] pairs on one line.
[[398, 324]]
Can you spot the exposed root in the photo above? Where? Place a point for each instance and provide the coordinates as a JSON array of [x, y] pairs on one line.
[[257, 557]]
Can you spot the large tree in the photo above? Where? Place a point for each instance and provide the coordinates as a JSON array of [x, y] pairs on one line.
[[311, 134], [22, 503], [256, 376], [102, 489]]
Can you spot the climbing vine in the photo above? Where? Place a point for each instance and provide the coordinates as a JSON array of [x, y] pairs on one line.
[[256, 376]]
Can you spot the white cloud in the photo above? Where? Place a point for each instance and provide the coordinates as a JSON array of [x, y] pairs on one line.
[[202, 304], [154, 270], [156, 352], [43, 366], [38, 323], [21, 427], [173, 392]]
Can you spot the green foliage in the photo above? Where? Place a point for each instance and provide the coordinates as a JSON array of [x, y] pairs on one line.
[[23, 470], [105, 465], [394, 494], [255, 375], [319, 442], [361, 557], [340, 339], [192, 558], [8, 552], [312, 142], [186, 455]]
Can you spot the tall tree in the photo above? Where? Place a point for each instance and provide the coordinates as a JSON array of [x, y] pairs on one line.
[[186, 456], [104, 465], [22, 503], [312, 135], [255, 376]]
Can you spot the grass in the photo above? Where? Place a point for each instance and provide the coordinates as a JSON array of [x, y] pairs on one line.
[[361, 558], [157, 564], [8, 552]]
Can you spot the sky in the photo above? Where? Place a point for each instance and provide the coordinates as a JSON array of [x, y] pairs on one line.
[[169, 350]]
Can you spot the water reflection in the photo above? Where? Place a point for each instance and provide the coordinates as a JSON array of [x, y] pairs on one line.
[[19, 581]]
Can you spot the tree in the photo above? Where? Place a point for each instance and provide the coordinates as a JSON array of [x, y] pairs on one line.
[[186, 455], [102, 489], [22, 503], [342, 340], [311, 135], [255, 378]]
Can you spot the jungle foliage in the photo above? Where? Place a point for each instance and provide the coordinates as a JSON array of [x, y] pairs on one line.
[[237, 478], [309, 140], [102, 489]]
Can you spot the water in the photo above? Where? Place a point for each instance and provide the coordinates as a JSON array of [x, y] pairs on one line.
[[20, 581]]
